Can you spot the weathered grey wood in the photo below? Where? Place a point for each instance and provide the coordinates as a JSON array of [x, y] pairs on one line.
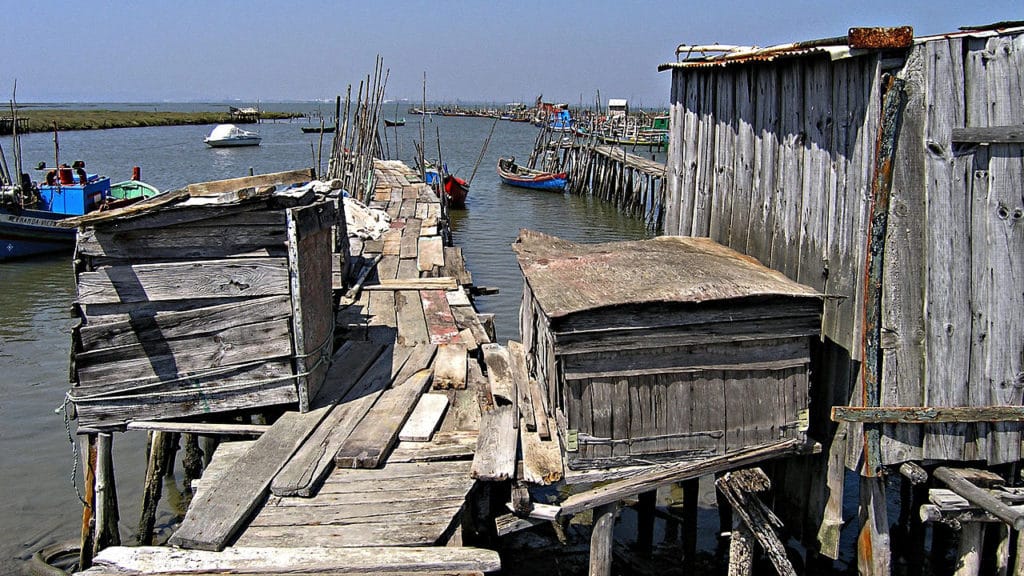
[[440, 283], [184, 242], [424, 419], [740, 490], [444, 445], [373, 438], [313, 560], [170, 359], [217, 187], [988, 135], [87, 542], [914, 473], [106, 516], [431, 253], [173, 281], [409, 246], [206, 429], [155, 469], [495, 457], [969, 550], [979, 497], [927, 414], [146, 325], [541, 415], [601, 540], [874, 556], [358, 374], [450, 367], [441, 326], [652, 477], [741, 549], [412, 325], [108, 403], [509, 523], [542, 459], [215, 518], [521, 378]]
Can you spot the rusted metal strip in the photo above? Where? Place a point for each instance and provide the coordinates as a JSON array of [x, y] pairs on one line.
[[878, 38], [893, 101]]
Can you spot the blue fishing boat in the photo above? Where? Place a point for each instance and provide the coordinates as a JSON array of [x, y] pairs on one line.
[[30, 213], [516, 175]]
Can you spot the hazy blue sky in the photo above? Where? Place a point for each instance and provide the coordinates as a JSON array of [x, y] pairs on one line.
[[471, 51]]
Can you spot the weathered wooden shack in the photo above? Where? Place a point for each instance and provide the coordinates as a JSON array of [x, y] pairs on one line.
[[668, 349], [209, 299], [886, 172]]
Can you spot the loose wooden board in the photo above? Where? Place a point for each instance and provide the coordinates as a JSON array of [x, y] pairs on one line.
[[424, 418]]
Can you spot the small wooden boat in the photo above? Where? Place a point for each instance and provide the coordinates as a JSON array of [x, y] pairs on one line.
[[456, 189], [516, 175], [317, 130], [395, 122]]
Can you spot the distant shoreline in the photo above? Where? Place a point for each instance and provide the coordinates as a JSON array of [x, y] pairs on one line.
[[46, 120]]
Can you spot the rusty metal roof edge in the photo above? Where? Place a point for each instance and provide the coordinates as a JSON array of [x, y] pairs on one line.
[[837, 52], [970, 34], [744, 55]]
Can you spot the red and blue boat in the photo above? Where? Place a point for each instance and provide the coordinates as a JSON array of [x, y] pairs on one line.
[[30, 213], [523, 177]]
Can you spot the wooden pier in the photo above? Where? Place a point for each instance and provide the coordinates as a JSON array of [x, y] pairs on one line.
[[376, 476], [632, 183]]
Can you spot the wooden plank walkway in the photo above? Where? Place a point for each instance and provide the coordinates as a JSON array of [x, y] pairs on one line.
[[619, 154], [339, 477]]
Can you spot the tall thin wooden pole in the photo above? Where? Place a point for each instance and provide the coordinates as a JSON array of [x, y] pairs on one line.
[[87, 546]]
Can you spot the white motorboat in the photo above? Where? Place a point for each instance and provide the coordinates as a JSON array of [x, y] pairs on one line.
[[225, 135]]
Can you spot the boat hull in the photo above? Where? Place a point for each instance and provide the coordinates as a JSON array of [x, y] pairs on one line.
[[233, 142], [456, 189], [549, 184], [26, 233], [522, 177]]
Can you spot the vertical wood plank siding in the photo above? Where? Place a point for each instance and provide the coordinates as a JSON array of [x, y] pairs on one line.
[[775, 159]]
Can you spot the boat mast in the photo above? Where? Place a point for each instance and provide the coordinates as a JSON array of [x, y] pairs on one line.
[[15, 136]]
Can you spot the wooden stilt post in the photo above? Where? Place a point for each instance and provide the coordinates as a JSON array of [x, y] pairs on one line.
[[601, 540], [1018, 561], [154, 486], [969, 551], [873, 552], [741, 549], [192, 460], [106, 516], [88, 455], [1003, 550], [691, 488], [741, 489], [645, 522]]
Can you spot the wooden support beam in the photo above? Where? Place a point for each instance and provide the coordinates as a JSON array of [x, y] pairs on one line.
[[312, 560], [980, 497], [969, 550], [105, 530], [741, 549], [874, 555], [927, 414], [202, 428], [989, 135], [158, 446], [656, 476], [601, 540], [914, 473], [646, 504], [740, 489], [88, 455]]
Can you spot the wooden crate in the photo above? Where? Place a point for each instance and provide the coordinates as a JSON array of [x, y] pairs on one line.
[[204, 300], [666, 349]]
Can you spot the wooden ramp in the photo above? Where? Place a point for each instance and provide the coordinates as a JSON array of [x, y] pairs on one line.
[[384, 456]]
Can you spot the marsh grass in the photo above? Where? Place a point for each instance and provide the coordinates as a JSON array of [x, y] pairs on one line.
[[43, 120]]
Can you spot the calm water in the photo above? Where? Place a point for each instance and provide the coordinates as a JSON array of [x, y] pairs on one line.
[[40, 505]]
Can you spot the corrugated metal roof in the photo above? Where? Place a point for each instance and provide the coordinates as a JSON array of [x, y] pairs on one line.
[[857, 42]]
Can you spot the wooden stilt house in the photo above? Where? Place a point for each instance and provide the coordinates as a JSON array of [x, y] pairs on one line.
[[668, 349], [886, 172], [208, 299]]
